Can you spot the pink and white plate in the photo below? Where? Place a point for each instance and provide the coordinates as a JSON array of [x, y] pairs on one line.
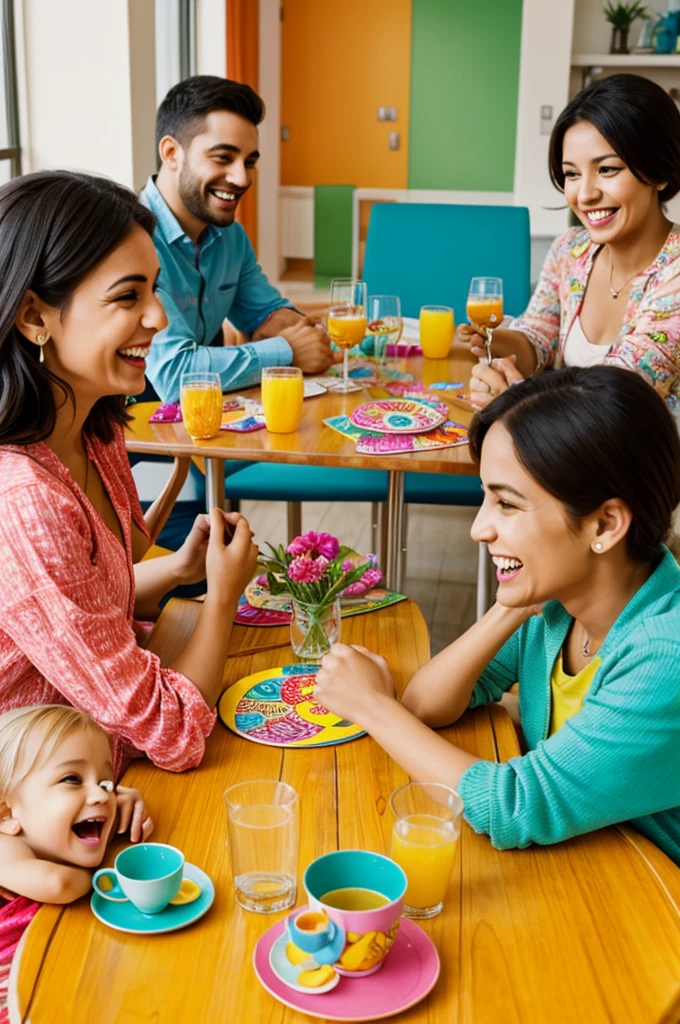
[[399, 416], [409, 974]]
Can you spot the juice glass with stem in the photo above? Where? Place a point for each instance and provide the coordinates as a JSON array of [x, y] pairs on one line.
[[282, 394], [347, 321], [424, 842], [384, 323], [262, 818], [485, 306], [201, 401], [436, 331]]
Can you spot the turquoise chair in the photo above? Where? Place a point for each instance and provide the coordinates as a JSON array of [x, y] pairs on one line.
[[427, 254]]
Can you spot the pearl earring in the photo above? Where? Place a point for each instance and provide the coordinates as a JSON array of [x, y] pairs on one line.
[[41, 339], [597, 546]]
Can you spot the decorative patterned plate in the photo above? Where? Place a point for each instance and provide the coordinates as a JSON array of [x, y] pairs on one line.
[[399, 416], [277, 707]]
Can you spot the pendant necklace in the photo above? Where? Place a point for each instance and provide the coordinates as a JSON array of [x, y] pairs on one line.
[[615, 292]]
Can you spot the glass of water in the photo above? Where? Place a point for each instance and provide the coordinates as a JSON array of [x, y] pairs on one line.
[[262, 818]]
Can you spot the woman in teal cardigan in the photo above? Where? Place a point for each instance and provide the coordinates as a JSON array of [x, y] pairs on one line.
[[581, 473]]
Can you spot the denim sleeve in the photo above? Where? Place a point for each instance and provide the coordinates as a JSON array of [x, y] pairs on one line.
[[174, 352], [255, 298]]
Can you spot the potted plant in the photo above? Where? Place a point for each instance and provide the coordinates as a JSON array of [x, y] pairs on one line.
[[621, 17], [315, 570]]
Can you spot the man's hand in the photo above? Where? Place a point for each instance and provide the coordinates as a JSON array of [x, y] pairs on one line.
[[311, 347]]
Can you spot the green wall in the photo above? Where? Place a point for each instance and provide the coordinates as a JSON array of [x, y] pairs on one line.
[[464, 82]]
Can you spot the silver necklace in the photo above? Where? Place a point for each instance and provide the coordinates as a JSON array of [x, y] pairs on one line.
[[614, 291]]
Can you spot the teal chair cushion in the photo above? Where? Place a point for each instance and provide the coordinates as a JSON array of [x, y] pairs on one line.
[[276, 481], [427, 253], [442, 489]]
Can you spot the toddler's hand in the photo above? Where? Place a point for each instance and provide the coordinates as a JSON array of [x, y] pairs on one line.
[[133, 814]]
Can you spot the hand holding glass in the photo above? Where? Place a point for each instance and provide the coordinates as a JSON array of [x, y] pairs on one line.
[[424, 842], [282, 394], [201, 402], [347, 321], [485, 306]]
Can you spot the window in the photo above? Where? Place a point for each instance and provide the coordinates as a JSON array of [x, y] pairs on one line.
[[10, 151], [175, 44]]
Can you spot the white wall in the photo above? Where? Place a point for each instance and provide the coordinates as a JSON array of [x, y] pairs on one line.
[[88, 70], [211, 37]]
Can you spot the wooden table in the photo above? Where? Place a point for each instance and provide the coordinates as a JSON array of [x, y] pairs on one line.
[[314, 443], [586, 932]]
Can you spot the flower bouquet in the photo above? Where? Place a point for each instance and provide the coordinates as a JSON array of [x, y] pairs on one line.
[[314, 570]]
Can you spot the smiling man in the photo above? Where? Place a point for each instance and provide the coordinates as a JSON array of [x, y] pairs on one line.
[[207, 138]]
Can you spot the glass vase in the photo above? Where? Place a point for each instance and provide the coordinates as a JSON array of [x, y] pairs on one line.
[[313, 629]]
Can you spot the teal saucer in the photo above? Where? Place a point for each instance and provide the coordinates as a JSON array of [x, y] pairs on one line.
[[125, 917]]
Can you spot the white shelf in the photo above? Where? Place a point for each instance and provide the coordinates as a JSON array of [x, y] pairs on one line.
[[627, 60]]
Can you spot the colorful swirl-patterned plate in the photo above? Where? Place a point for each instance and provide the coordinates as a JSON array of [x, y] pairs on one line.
[[277, 708], [399, 416]]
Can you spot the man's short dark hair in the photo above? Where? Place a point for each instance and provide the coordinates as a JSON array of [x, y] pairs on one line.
[[184, 109]]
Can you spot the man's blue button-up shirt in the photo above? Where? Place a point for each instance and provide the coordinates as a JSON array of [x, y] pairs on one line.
[[200, 285]]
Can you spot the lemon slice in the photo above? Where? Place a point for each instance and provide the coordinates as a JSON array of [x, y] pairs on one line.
[[188, 892]]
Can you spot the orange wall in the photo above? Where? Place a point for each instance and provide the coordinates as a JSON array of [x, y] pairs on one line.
[[341, 59]]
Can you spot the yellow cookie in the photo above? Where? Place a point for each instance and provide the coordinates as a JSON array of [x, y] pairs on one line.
[[315, 979], [188, 892]]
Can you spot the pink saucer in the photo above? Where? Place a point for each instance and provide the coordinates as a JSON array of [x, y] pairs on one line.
[[407, 976]]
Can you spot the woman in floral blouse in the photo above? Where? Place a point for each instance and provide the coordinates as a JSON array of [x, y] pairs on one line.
[[609, 291]]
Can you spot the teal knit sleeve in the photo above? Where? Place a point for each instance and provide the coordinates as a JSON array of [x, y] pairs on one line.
[[617, 759], [500, 674]]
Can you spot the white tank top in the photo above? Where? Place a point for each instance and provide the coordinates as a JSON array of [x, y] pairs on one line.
[[578, 351]]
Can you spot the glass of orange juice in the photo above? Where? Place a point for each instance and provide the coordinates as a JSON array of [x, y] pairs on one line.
[[436, 331], [282, 393], [347, 321], [424, 842], [485, 306], [201, 401]]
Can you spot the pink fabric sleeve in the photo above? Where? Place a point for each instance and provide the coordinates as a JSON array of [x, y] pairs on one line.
[[541, 321], [56, 607], [652, 347]]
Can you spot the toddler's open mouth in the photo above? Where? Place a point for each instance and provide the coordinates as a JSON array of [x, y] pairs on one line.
[[89, 830]]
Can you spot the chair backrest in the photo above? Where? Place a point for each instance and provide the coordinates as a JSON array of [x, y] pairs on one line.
[[427, 253]]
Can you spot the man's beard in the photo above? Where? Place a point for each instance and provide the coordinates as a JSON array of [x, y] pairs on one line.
[[191, 195]]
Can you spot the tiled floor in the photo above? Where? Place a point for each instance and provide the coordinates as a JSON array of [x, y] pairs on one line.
[[441, 564]]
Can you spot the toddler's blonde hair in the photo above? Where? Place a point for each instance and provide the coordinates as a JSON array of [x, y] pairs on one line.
[[30, 735]]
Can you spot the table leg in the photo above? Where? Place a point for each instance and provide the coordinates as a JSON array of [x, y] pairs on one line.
[[395, 512], [214, 484]]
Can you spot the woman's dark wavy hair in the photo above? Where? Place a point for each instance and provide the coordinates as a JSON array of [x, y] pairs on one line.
[[589, 434], [55, 228], [640, 122]]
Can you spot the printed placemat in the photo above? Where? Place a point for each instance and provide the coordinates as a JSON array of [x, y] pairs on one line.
[[277, 708], [252, 615]]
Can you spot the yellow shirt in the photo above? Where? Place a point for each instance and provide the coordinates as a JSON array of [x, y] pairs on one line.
[[568, 692]]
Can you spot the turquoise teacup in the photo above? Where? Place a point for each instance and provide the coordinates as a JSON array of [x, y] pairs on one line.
[[314, 933], [148, 875], [362, 894]]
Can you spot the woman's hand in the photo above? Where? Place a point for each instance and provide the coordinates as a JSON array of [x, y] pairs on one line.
[[352, 682], [486, 382], [190, 558], [231, 557], [132, 814], [474, 336]]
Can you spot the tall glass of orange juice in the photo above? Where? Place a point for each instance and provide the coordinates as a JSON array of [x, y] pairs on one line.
[[485, 306], [347, 321], [424, 842], [201, 401], [282, 393], [436, 331]]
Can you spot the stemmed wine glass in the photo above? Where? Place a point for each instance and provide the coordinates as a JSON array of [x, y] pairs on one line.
[[384, 323], [347, 321], [485, 306]]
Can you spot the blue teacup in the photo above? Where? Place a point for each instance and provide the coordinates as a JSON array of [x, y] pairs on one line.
[[313, 932], [149, 875]]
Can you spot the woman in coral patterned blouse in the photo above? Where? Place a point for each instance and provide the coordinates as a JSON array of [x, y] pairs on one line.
[[78, 313], [609, 291]]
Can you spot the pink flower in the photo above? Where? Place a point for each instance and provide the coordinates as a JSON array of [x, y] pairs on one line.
[[327, 545], [304, 569], [303, 544]]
